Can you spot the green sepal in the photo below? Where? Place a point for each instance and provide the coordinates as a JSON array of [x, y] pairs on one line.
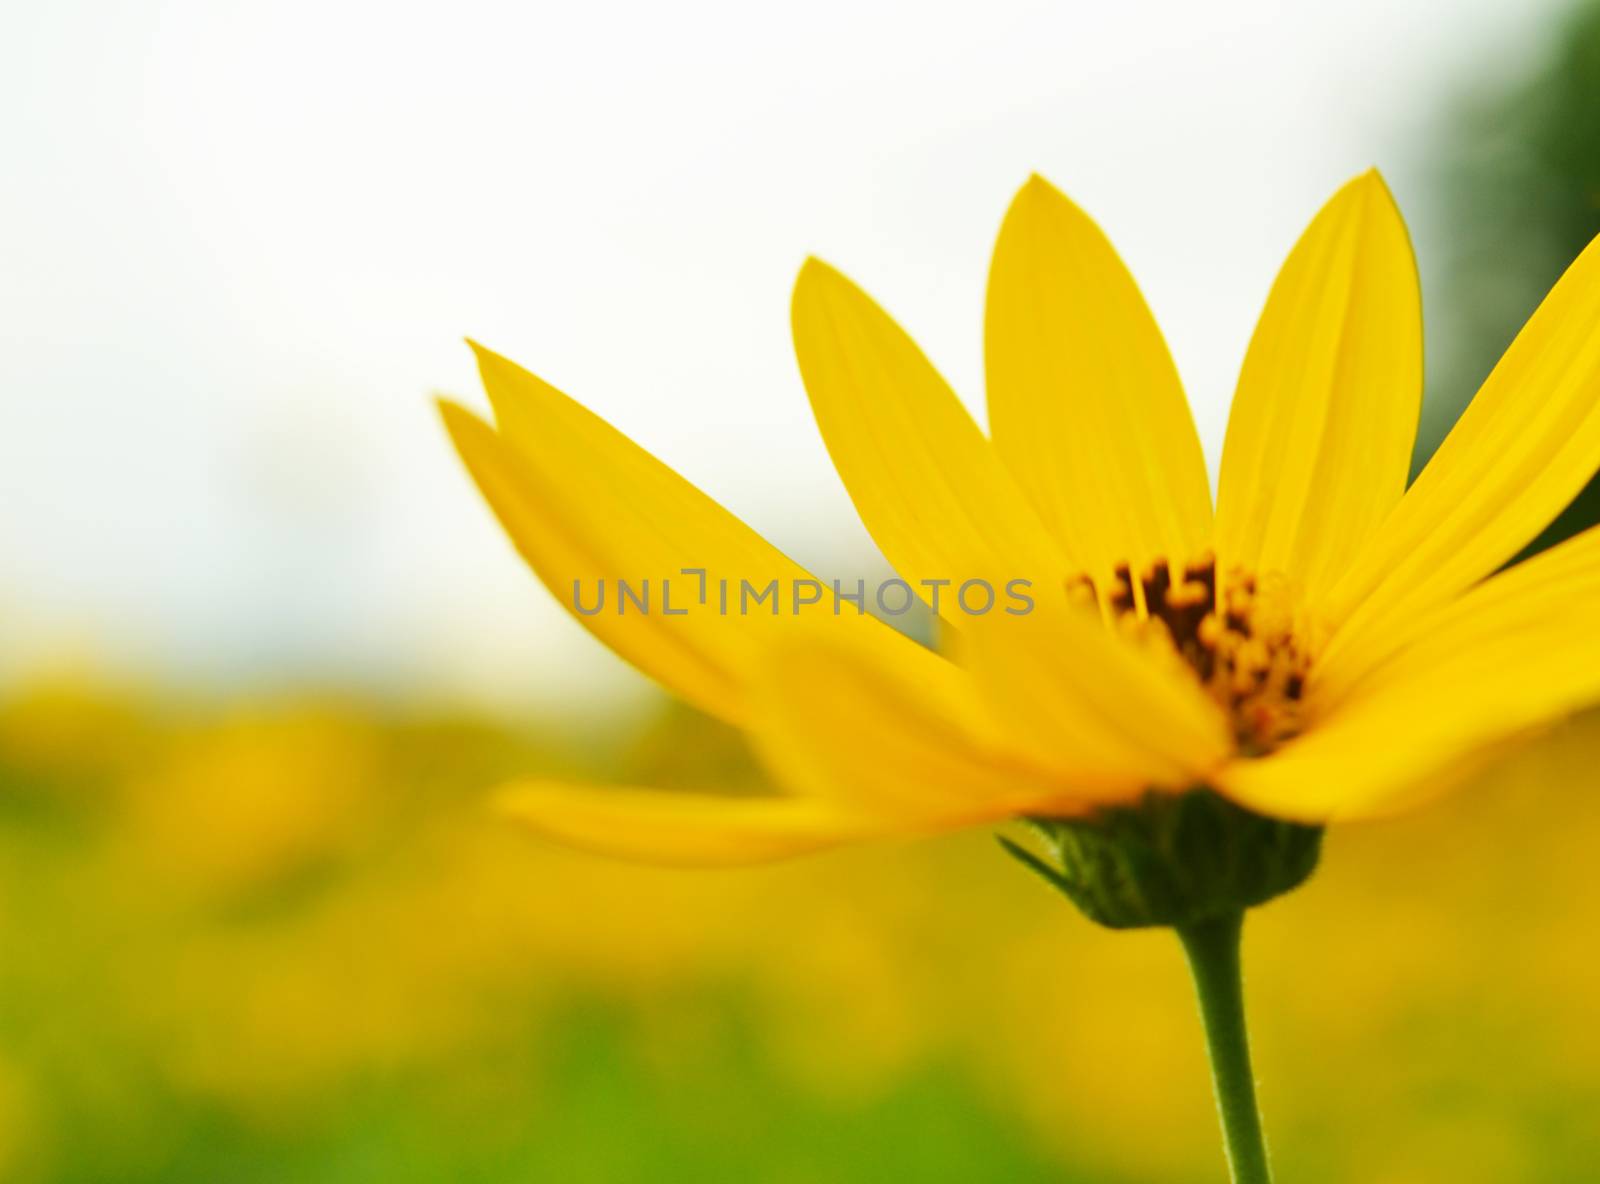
[[1171, 860], [1036, 865]]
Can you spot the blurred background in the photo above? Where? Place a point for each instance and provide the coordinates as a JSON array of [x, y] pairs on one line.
[[262, 650]]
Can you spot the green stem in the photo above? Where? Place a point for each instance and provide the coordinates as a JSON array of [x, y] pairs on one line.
[[1213, 950]]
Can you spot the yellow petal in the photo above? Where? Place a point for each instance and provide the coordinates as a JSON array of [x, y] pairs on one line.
[[1131, 716], [658, 826], [1320, 436], [1523, 449], [924, 479], [1510, 657], [908, 742], [1085, 405], [586, 506], [697, 656]]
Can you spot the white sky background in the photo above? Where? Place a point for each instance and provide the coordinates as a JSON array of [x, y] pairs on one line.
[[240, 244]]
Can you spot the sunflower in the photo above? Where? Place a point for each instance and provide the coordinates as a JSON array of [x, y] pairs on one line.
[[1328, 644], [1175, 681]]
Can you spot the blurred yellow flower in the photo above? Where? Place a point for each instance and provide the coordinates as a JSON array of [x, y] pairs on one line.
[[1327, 644], [396, 934]]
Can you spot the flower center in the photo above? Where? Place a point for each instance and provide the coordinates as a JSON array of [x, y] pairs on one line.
[[1240, 639]]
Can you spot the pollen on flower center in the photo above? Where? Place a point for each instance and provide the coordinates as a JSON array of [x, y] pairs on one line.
[[1240, 640]]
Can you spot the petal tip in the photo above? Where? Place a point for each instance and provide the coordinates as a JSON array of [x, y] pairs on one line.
[[1036, 184], [1375, 183], [818, 285], [1367, 188], [815, 271], [487, 359], [457, 418], [1037, 191], [1041, 205]]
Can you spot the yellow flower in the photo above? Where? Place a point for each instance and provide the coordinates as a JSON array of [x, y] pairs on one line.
[[1327, 644]]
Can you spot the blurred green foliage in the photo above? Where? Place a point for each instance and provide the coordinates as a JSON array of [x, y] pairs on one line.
[[1517, 174]]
